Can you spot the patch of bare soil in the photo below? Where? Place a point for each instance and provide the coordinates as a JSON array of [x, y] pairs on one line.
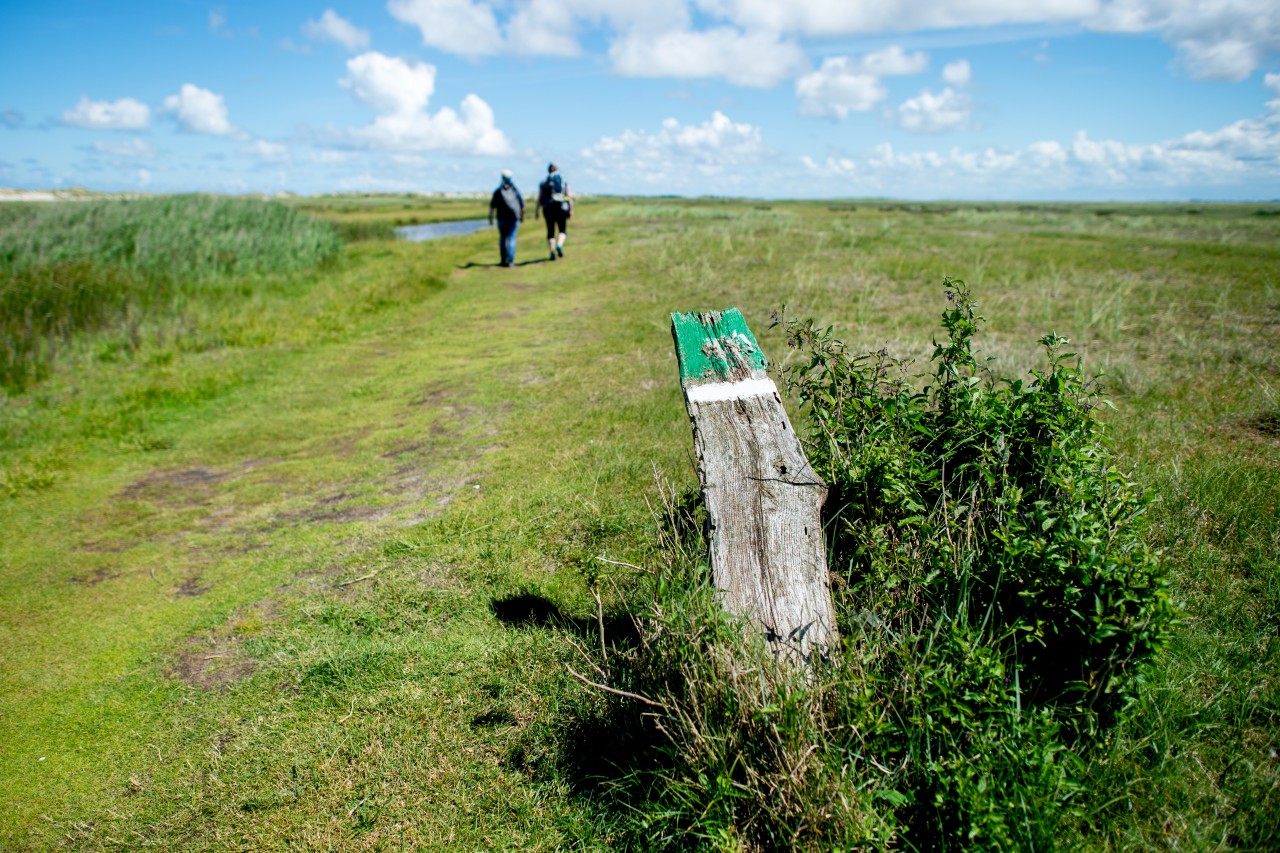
[[1267, 423], [192, 485], [187, 486], [212, 663], [95, 577], [433, 396], [190, 588]]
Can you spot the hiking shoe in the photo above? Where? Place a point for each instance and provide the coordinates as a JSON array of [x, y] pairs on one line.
[[553, 256], [559, 251]]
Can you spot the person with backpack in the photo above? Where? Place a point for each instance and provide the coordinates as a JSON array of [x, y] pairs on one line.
[[556, 205], [508, 205]]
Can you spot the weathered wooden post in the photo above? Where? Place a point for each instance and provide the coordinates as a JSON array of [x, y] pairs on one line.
[[763, 499]]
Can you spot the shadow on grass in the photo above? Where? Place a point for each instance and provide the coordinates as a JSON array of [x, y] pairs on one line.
[[602, 750], [530, 610], [474, 264]]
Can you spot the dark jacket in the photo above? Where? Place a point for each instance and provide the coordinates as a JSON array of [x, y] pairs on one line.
[[507, 203]]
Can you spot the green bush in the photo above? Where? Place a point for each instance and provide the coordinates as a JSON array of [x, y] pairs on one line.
[[996, 600], [993, 502]]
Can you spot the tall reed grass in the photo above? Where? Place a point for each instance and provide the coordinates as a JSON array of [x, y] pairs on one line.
[[80, 267]]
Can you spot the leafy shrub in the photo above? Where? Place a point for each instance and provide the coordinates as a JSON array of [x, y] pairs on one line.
[[996, 600], [992, 501]]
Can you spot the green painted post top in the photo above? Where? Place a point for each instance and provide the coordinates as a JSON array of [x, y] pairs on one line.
[[716, 346]]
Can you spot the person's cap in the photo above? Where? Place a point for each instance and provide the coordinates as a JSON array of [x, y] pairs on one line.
[[506, 173]]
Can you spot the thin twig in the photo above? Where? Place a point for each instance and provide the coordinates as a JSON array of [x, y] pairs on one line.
[[604, 654], [614, 690], [349, 712], [580, 650], [626, 565], [357, 580]]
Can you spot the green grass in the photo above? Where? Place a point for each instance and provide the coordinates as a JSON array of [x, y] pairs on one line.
[[84, 266], [302, 565]]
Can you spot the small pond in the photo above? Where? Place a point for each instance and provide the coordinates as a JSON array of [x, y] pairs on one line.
[[436, 230]]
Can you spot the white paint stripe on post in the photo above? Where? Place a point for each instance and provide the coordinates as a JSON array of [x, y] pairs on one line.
[[715, 392]]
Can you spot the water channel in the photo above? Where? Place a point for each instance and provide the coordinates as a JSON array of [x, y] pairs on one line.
[[436, 230]]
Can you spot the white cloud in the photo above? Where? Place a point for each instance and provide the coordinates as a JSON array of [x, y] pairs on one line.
[[843, 84], [124, 114], [463, 27], [826, 18], [836, 89], [930, 113], [957, 73], [1223, 39], [832, 167], [677, 156], [544, 27], [747, 59], [144, 178], [330, 156], [125, 148], [200, 111], [389, 84], [271, 152], [401, 91], [1215, 39], [333, 27], [892, 60], [1272, 82], [1244, 151], [288, 45]]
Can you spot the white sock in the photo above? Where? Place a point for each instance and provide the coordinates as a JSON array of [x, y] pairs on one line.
[[560, 239]]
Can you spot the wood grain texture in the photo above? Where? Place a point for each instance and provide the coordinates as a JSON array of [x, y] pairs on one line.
[[764, 500]]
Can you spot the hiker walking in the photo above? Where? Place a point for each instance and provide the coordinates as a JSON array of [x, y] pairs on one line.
[[508, 205], [555, 202]]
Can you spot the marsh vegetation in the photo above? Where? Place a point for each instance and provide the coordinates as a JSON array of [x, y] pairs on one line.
[[307, 526]]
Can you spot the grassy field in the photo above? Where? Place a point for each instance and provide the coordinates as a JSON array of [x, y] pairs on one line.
[[299, 558]]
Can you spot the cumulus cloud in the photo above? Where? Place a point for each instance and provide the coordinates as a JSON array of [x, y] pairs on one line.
[[746, 59], [332, 27], [124, 114], [836, 89], [929, 113], [1224, 40], [676, 156], [1272, 82], [401, 91], [957, 73], [200, 111], [125, 148], [464, 27], [544, 27], [1243, 151], [843, 84], [832, 167], [893, 60]]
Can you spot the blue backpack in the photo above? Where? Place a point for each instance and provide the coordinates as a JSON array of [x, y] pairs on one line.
[[554, 189]]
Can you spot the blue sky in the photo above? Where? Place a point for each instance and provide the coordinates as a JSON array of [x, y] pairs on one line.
[[921, 99]]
